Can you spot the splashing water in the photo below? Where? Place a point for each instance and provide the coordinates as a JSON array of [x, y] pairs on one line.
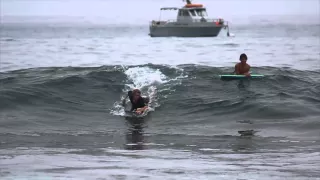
[[145, 79], [144, 76]]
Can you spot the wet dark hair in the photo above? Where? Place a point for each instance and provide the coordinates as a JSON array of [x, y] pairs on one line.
[[136, 91], [243, 56]]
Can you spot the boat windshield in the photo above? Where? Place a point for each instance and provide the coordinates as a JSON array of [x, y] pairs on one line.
[[201, 12], [183, 12], [193, 12]]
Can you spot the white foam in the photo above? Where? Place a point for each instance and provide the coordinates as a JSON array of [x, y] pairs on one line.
[[144, 76]]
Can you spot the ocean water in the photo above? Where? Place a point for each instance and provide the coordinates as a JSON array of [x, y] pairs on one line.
[[62, 81]]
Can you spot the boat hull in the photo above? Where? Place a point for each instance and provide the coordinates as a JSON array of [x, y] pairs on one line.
[[184, 31]]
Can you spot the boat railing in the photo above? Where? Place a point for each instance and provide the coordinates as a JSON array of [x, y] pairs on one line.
[[210, 20], [157, 23]]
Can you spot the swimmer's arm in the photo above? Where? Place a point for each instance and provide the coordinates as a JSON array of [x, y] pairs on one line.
[[248, 72], [130, 98], [236, 69], [124, 102], [142, 109]]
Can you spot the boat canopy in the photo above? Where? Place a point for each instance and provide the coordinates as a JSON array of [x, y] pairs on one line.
[[169, 8]]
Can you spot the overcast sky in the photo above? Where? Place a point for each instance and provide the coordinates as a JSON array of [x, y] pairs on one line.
[[122, 10]]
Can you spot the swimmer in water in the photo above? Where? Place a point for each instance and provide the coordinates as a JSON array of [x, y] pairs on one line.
[[242, 68]]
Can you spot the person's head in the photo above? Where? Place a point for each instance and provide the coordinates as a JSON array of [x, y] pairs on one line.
[[136, 93], [243, 58]]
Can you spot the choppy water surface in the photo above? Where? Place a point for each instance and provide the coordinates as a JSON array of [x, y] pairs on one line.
[[61, 88]]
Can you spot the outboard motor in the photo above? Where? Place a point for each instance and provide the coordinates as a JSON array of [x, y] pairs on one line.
[[221, 21]]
